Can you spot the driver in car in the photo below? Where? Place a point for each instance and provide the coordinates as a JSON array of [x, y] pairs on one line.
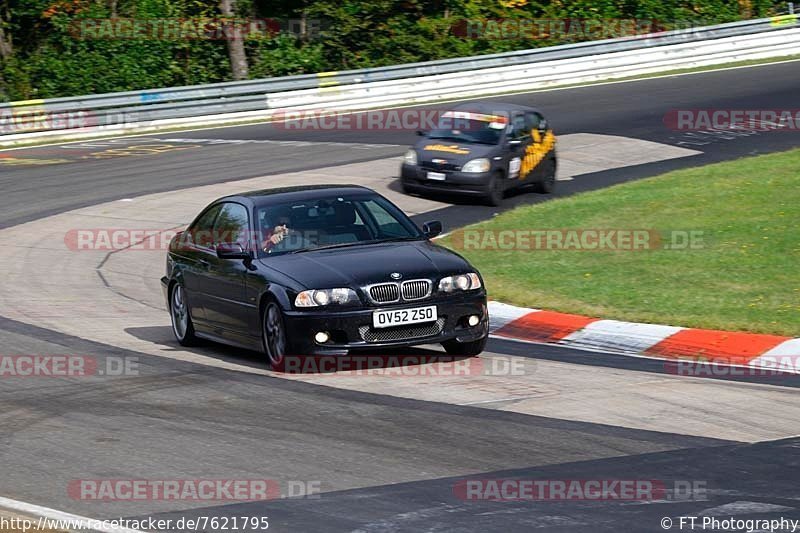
[[279, 232]]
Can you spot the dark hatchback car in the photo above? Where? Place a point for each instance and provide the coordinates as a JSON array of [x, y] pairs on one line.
[[320, 270], [483, 150]]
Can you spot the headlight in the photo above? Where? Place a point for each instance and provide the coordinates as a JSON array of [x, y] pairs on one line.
[[320, 297], [477, 165], [462, 282], [411, 157]]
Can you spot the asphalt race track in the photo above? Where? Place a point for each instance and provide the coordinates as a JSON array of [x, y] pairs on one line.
[[633, 109], [388, 457]]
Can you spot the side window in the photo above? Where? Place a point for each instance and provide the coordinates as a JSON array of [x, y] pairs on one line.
[[232, 224], [535, 121], [388, 226], [519, 130], [201, 232], [532, 121]]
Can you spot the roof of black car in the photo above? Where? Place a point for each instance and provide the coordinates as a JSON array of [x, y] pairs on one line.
[[297, 192]]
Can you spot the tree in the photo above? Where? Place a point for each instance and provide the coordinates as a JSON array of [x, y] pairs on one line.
[[6, 53], [235, 41], [5, 45]]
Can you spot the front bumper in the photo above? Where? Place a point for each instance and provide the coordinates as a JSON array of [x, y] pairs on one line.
[[352, 329], [416, 178]]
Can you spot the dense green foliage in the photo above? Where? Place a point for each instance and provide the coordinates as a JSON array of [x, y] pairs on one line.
[[43, 54]]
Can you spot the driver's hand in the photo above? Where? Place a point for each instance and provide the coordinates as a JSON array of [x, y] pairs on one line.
[[279, 233]]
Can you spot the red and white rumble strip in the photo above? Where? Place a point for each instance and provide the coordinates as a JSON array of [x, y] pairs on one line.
[[770, 352]]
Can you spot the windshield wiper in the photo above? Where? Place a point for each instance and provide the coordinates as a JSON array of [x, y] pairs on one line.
[[329, 246], [394, 239], [448, 138], [464, 140], [357, 243]]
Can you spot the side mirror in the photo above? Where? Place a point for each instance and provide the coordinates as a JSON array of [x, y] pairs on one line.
[[432, 228], [231, 250], [421, 133]]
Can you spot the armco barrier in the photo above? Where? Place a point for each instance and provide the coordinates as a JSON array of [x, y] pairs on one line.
[[155, 109]]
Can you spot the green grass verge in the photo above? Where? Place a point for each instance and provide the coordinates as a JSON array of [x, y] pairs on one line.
[[746, 275]]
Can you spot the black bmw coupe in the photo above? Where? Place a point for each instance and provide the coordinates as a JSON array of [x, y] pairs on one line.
[[320, 271]]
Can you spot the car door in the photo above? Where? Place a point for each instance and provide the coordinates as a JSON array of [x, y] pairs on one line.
[[518, 139], [196, 252], [226, 308], [541, 146]]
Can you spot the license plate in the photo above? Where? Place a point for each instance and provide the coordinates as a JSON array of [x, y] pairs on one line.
[[436, 176], [401, 317]]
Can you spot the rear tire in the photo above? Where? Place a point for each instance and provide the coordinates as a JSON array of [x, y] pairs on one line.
[[548, 184], [473, 348], [182, 325]]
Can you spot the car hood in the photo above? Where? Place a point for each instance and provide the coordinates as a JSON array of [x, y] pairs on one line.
[[358, 266], [453, 152]]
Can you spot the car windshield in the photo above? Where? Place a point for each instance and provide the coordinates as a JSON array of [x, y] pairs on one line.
[[468, 131], [334, 222]]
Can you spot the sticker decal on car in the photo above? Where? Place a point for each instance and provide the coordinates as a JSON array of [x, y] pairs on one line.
[[452, 148], [536, 151], [514, 166]]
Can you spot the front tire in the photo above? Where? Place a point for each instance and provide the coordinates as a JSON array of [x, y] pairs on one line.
[[273, 333], [406, 188], [182, 325], [473, 348], [494, 190]]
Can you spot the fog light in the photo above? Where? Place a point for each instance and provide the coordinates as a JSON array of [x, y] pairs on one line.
[[322, 337], [473, 320]]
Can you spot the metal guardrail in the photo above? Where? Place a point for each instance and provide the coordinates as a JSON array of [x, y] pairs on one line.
[[252, 95]]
